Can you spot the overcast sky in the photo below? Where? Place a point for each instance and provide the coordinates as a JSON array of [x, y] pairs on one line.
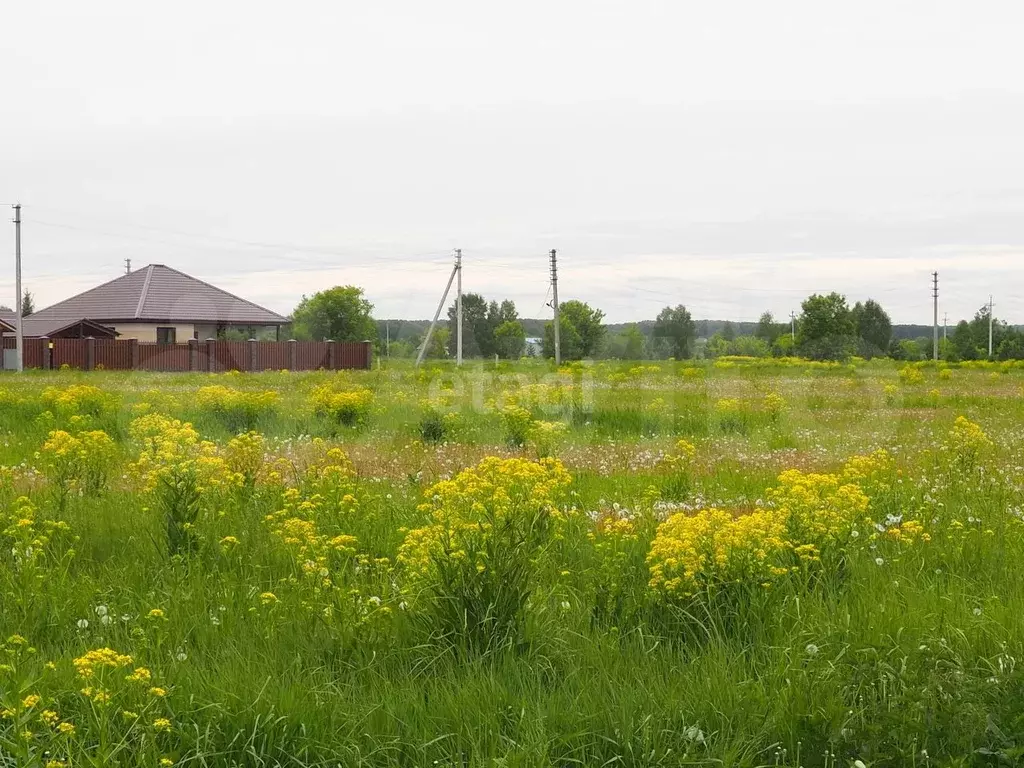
[[730, 156]]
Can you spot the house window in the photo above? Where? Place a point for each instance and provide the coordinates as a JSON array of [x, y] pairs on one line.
[[165, 335]]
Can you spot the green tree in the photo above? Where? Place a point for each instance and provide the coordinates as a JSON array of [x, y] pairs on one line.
[[580, 331], [510, 340], [438, 343], [873, 326], [627, 344], [675, 328], [28, 304], [827, 329], [728, 331], [340, 313], [963, 342], [767, 329], [480, 321]]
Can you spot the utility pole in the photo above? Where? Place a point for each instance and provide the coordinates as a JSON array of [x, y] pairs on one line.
[[945, 320], [792, 325], [990, 325], [387, 339], [127, 266], [458, 307], [935, 316], [440, 306], [554, 304], [19, 331]]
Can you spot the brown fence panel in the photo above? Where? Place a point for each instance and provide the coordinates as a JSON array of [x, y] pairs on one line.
[[352, 355], [228, 356], [310, 355], [32, 350], [216, 356], [271, 355], [163, 357], [69, 352], [114, 354]]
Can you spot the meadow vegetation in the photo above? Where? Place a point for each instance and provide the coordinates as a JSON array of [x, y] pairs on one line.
[[745, 562]]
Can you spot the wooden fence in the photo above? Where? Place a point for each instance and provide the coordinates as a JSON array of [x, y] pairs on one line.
[[212, 356]]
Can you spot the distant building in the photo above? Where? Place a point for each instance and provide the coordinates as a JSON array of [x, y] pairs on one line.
[[154, 304]]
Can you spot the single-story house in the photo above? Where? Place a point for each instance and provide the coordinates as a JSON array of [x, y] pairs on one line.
[[154, 304]]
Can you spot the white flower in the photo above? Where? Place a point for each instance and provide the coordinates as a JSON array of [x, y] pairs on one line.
[[859, 764], [977, 611], [101, 610], [402, 606], [693, 733], [374, 600], [182, 656], [83, 623], [879, 561], [854, 534], [565, 605], [811, 649], [105, 620]]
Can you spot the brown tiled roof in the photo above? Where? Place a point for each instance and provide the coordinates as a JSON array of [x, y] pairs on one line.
[[158, 293], [35, 326]]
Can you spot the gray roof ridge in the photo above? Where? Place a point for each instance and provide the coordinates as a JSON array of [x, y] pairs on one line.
[[219, 290], [145, 291]]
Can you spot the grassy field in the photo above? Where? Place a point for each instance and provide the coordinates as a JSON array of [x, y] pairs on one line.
[[746, 563]]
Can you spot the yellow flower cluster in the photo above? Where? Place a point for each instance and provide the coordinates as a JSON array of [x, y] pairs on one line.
[[317, 554], [235, 402], [911, 375], [172, 447], [347, 407], [967, 443], [680, 459], [513, 497], [244, 455], [27, 538], [77, 462], [810, 514], [820, 510], [87, 665], [694, 552], [774, 404], [82, 399]]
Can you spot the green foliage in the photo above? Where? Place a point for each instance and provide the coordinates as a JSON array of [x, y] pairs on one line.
[[28, 304], [340, 313], [627, 345], [480, 324], [767, 329], [826, 330], [581, 331], [747, 346], [675, 328], [510, 340], [873, 326]]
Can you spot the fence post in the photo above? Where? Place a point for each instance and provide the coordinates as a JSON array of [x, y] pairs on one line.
[[252, 354], [330, 354], [47, 352], [293, 346], [90, 353], [133, 354], [193, 354], [368, 349], [211, 345]]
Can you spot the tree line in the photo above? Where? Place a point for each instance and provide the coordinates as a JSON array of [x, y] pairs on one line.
[[827, 328]]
